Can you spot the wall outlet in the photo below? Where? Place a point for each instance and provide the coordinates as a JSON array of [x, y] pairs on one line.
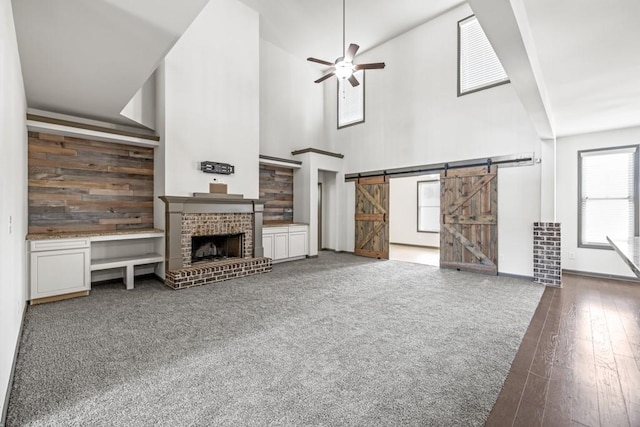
[[572, 255], [500, 257], [10, 224]]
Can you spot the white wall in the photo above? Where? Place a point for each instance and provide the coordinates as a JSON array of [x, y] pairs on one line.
[[403, 214], [13, 195], [142, 107], [291, 105], [586, 260], [210, 98], [413, 116]]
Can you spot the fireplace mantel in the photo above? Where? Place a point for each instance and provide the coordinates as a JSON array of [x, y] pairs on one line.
[[227, 204], [177, 206]]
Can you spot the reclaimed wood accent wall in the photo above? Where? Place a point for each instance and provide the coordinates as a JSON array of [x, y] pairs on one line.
[[80, 185], [276, 188]]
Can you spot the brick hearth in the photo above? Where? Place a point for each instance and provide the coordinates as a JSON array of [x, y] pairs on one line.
[[211, 272]]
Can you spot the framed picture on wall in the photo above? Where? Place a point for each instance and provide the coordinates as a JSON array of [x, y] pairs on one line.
[[351, 101]]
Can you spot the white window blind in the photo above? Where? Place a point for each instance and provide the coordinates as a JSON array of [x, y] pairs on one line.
[[608, 195], [429, 205], [479, 67]]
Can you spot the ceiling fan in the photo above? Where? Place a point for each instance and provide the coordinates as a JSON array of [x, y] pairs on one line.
[[343, 67]]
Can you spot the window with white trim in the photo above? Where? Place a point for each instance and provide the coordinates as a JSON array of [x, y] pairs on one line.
[[608, 195], [429, 204], [351, 101], [478, 65]]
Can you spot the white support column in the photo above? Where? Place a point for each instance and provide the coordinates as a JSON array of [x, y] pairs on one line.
[[547, 180], [305, 185]]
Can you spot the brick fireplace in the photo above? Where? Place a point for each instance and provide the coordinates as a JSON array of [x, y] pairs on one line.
[[227, 232], [215, 224], [217, 247]]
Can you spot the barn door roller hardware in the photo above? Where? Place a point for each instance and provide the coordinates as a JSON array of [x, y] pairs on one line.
[[524, 159]]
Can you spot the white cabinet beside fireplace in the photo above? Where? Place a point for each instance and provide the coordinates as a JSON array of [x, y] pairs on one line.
[[59, 266], [298, 238], [285, 243]]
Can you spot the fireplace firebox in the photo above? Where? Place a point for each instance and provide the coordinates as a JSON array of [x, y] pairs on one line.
[[217, 247]]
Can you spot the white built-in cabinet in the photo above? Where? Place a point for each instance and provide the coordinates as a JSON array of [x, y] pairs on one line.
[[298, 241], [64, 266], [285, 243], [59, 266], [267, 244]]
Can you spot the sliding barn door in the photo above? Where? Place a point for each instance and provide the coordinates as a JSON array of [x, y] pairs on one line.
[[469, 219], [372, 217]]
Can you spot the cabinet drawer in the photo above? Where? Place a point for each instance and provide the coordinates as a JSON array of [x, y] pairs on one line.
[[56, 244], [298, 228], [274, 230]]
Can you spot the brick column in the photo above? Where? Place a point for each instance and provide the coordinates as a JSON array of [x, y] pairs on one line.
[[546, 253]]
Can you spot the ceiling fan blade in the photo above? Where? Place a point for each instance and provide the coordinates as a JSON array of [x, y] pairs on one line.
[[320, 61], [372, 66], [325, 77], [354, 82], [351, 52]]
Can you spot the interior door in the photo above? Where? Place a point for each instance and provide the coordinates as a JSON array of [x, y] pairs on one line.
[[372, 217], [469, 219]]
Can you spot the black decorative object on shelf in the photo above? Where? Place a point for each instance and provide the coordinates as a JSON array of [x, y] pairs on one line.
[[214, 167]]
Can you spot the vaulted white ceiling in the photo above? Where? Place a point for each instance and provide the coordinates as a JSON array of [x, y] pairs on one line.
[[574, 63], [89, 57], [314, 28], [589, 57]]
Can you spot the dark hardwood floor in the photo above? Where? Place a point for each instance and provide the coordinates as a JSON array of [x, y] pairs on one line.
[[579, 361]]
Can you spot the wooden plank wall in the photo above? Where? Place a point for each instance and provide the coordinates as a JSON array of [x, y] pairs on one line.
[[80, 185], [276, 188]]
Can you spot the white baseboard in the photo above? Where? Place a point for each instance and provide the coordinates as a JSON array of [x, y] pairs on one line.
[[5, 405], [600, 275], [516, 276]]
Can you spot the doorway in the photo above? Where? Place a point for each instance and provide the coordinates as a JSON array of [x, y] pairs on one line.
[[327, 227], [414, 219]]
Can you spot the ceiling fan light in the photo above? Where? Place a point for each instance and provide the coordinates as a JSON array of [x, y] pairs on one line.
[[344, 69]]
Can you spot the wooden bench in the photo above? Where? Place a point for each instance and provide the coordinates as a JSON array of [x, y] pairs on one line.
[[128, 263]]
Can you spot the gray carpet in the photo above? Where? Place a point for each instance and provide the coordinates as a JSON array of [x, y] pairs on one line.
[[338, 340]]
